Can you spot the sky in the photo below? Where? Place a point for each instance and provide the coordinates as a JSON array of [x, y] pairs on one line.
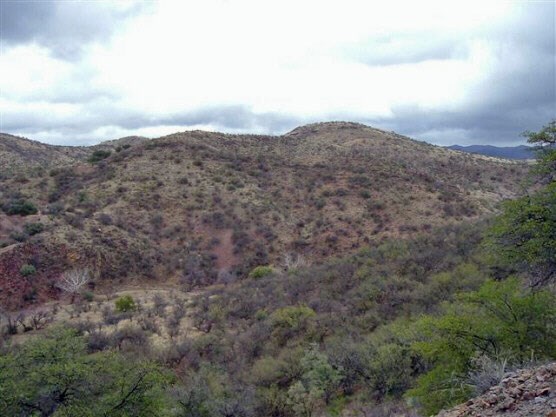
[[446, 72]]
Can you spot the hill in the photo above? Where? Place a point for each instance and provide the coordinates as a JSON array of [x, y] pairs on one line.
[[197, 208], [21, 155], [509, 152]]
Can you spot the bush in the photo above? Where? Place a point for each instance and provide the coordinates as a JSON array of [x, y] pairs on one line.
[[125, 303], [292, 317], [98, 155], [260, 272], [27, 270], [88, 296], [20, 206], [33, 228], [19, 236]]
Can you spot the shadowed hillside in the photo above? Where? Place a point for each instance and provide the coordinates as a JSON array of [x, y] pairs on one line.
[[196, 208]]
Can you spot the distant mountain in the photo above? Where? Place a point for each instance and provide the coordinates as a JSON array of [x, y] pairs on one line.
[[508, 152]]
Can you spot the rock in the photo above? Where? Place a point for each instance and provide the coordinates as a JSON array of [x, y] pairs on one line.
[[528, 396], [515, 392], [506, 405], [525, 393]]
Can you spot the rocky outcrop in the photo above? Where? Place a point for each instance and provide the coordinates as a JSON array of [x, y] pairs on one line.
[[529, 392]]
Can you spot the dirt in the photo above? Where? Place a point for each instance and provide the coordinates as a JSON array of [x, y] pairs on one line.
[[224, 251]]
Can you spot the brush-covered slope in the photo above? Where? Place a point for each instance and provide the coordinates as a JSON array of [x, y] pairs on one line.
[[509, 152], [197, 207], [20, 156]]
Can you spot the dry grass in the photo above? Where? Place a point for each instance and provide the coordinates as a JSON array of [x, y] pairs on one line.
[[155, 306]]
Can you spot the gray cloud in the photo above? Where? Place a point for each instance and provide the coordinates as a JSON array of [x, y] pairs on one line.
[[80, 129], [404, 49], [64, 27], [518, 94]]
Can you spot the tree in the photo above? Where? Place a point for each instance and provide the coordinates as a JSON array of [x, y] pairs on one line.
[[54, 376], [524, 236], [73, 281], [545, 139], [500, 321], [318, 383]]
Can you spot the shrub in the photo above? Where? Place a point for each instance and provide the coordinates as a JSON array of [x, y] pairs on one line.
[[20, 206], [269, 370], [105, 219], [260, 272], [88, 296], [19, 236], [33, 228], [98, 155], [125, 303], [27, 270], [292, 317]]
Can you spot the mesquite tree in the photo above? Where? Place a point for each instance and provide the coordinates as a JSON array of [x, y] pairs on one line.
[[73, 281]]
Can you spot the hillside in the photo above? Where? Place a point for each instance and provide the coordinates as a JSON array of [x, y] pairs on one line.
[[508, 152], [197, 208], [27, 157]]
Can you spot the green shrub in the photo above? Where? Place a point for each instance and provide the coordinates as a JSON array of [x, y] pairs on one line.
[[261, 315], [19, 236], [20, 206], [292, 317], [260, 272], [88, 296], [319, 381], [27, 270], [98, 155], [268, 370], [125, 303], [33, 228]]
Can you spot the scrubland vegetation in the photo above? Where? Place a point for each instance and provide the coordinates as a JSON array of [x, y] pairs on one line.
[[405, 323]]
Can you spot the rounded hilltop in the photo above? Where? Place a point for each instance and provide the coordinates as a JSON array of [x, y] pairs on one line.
[[319, 127]]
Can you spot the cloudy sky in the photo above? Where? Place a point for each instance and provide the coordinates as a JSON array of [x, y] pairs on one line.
[[79, 72]]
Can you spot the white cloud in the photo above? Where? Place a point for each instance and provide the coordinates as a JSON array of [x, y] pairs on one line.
[[299, 61]]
